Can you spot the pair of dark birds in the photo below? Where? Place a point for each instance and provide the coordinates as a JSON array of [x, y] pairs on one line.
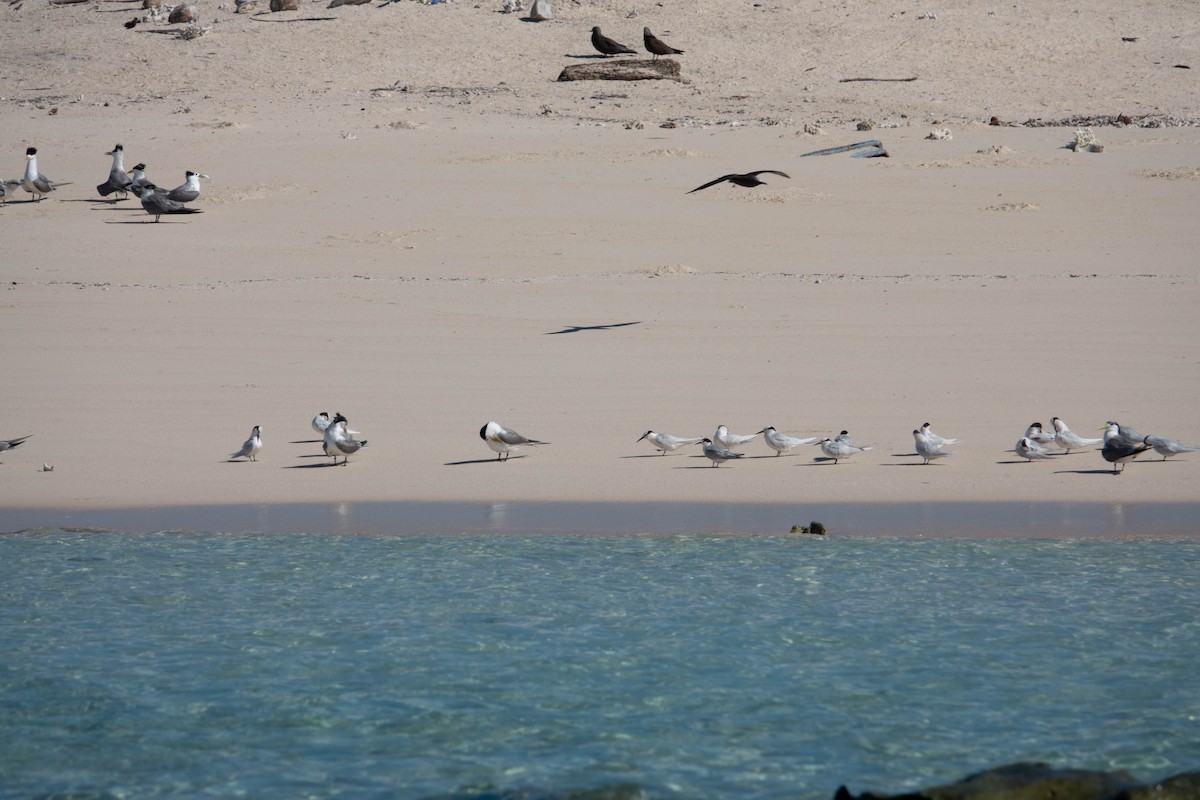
[[653, 44]]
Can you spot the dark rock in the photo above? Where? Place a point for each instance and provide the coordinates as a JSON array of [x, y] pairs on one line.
[[1023, 781], [1185, 786]]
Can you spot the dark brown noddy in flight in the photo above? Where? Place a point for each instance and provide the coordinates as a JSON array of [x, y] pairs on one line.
[[606, 45], [748, 179], [159, 204], [657, 46]]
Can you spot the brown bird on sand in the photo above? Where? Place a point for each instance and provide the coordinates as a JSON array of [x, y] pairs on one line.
[[606, 45], [748, 179], [657, 46]]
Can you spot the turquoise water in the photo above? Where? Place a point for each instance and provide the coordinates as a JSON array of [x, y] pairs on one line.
[[323, 666]]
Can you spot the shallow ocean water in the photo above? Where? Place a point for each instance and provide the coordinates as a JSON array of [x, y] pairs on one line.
[[331, 666]]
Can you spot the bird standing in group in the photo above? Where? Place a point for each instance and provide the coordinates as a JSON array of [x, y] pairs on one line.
[[6, 188], [747, 179], [841, 448], [118, 179], [1067, 439], [251, 446], [1122, 444], [926, 448], [779, 442], [34, 181], [339, 441], [137, 178], [717, 454], [607, 46], [189, 190], [159, 204], [320, 422], [657, 46], [503, 441], [1029, 449], [664, 442], [933, 438], [1036, 433], [1168, 447], [723, 438]]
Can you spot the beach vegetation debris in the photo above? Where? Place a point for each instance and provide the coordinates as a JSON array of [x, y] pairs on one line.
[[813, 528]]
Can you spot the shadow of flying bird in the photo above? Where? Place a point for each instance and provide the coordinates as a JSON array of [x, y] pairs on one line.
[[747, 179]]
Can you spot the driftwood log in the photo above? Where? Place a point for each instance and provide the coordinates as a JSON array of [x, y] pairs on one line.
[[624, 69]]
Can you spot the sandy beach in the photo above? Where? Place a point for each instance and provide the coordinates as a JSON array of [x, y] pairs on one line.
[[412, 222]]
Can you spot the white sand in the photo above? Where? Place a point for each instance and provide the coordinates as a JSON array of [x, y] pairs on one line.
[[403, 256]]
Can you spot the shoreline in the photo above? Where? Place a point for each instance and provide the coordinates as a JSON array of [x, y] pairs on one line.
[[965, 520]]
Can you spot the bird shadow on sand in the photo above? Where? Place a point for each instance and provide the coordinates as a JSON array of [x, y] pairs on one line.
[[134, 222], [1085, 472], [306, 441], [481, 461], [588, 56], [648, 455], [321, 465], [578, 328]]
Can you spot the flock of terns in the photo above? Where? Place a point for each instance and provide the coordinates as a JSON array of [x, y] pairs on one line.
[[119, 185], [1120, 444]]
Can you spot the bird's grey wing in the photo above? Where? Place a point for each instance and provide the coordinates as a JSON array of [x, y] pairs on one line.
[[514, 438], [710, 183]]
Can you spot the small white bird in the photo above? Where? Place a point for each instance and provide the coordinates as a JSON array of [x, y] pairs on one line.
[[1067, 439], [1029, 449], [926, 449], [779, 442], [321, 422], [717, 454], [502, 440], [933, 438], [666, 442], [728, 440], [340, 442], [841, 448], [1036, 433], [251, 446], [1168, 447]]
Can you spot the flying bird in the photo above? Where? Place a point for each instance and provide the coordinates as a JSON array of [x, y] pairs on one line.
[[251, 446], [748, 179], [665, 441], [607, 46], [657, 46], [503, 441], [159, 204]]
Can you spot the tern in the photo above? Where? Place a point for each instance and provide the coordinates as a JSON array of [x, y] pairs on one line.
[[1035, 433], [320, 422], [7, 188], [138, 179], [717, 454], [502, 440], [665, 442], [841, 447], [251, 446], [1122, 444], [35, 182], [727, 440], [657, 46], [747, 179], [9, 444], [118, 179], [189, 190], [1067, 439], [340, 442], [606, 45], [780, 442], [1168, 447], [926, 448], [159, 204], [933, 438], [1029, 449]]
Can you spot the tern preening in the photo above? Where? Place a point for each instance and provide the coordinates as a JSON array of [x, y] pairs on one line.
[[118, 179], [665, 442], [841, 448], [933, 438], [503, 441], [339, 441], [320, 422], [723, 438], [1067, 439], [1035, 433], [779, 442], [251, 447], [926, 448], [747, 179], [716, 454], [1029, 449]]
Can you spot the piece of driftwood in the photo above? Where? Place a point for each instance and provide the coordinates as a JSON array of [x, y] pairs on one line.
[[67, 2], [879, 80], [625, 69]]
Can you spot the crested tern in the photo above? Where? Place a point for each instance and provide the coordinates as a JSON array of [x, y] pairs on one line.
[[320, 422], [727, 440], [137, 178], [1067, 439], [1029, 449], [927, 448], [118, 179], [503, 441], [34, 181], [664, 442], [9, 444], [159, 204], [340, 442], [251, 446], [1122, 444], [1168, 447], [933, 438], [840, 448], [189, 190], [779, 442], [717, 454], [7, 188], [746, 179], [1036, 433]]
